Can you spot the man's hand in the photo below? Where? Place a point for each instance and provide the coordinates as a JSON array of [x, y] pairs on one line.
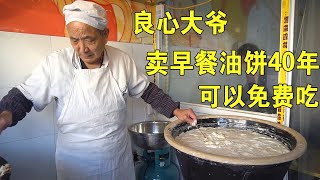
[[186, 115], [5, 120]]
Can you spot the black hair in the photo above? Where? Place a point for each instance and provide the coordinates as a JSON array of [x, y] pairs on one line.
[[242, 50]]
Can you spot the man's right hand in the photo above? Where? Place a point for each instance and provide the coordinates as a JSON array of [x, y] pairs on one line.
[[5, 120]]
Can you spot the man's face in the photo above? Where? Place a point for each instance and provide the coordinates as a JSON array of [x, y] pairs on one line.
[[87, 41]]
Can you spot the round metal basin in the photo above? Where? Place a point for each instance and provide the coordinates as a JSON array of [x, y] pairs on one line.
[[195, 164], [149, 135]]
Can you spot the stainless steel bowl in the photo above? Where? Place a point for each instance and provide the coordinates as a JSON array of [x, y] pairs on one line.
[[149, 135]]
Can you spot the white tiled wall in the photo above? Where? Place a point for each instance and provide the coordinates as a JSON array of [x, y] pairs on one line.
[[19, 54], [31, 158], [29, 146]]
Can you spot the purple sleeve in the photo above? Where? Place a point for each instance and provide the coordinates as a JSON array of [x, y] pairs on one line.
[[16, 103], [159, 100]]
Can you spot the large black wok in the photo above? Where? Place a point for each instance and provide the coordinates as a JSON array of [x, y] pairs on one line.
[[197, 165]]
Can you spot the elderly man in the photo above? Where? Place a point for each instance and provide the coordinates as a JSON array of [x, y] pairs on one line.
[[90, 83]]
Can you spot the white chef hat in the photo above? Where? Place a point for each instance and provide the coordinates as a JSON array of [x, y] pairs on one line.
[[86, 12]]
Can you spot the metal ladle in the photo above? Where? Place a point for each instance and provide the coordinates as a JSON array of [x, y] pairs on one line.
[[203, 134]]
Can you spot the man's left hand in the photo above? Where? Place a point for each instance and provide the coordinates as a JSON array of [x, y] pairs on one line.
[[186, 115]]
